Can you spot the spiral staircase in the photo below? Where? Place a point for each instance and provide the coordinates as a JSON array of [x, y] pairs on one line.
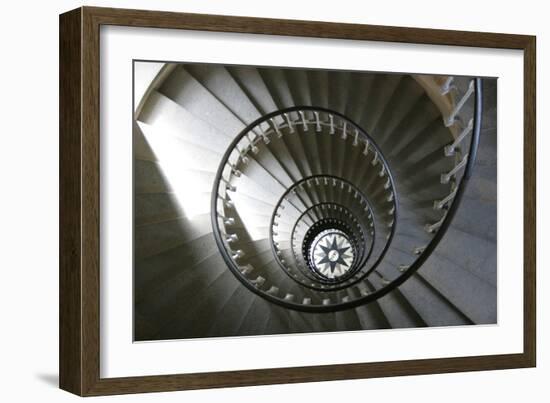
[[275, 201]]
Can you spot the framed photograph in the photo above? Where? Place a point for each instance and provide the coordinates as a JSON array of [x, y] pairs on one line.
[[250, 201]]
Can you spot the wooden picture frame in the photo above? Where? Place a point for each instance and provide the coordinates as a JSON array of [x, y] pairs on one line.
[[79, 201]]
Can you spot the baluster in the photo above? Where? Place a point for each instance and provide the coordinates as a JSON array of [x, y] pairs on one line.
[[375, 159], [345, 130], [304, 122], [289, 121], [227, 220], [246, 270], [258, 282], [232, 238], [317, 121], [251, 143], [242, 155], [265, 137], [276, 127], [366, 149], [234, 170], [452, 116], [445, 178], [447, 85], [431, 228], [238, 254], [419, 250], [229, 187], [331, 118], [227, 203], [451, 149], [439, 204], [403, 268]]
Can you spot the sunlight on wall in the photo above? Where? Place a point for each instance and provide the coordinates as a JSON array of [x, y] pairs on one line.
[[190, 187]]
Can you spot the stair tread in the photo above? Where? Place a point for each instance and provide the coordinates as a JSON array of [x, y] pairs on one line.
[[151, 271], [174, 121], [220, 83], [194, 97], [474, 297], [430, 305]]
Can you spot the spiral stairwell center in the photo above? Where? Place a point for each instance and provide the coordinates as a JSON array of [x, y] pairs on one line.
[[278, 200]]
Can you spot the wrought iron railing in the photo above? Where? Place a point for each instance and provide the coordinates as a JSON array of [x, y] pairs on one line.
[[333, 201]]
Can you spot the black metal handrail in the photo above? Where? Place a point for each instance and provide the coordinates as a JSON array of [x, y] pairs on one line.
[[422, 257], [370, 144], [283, 196]]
